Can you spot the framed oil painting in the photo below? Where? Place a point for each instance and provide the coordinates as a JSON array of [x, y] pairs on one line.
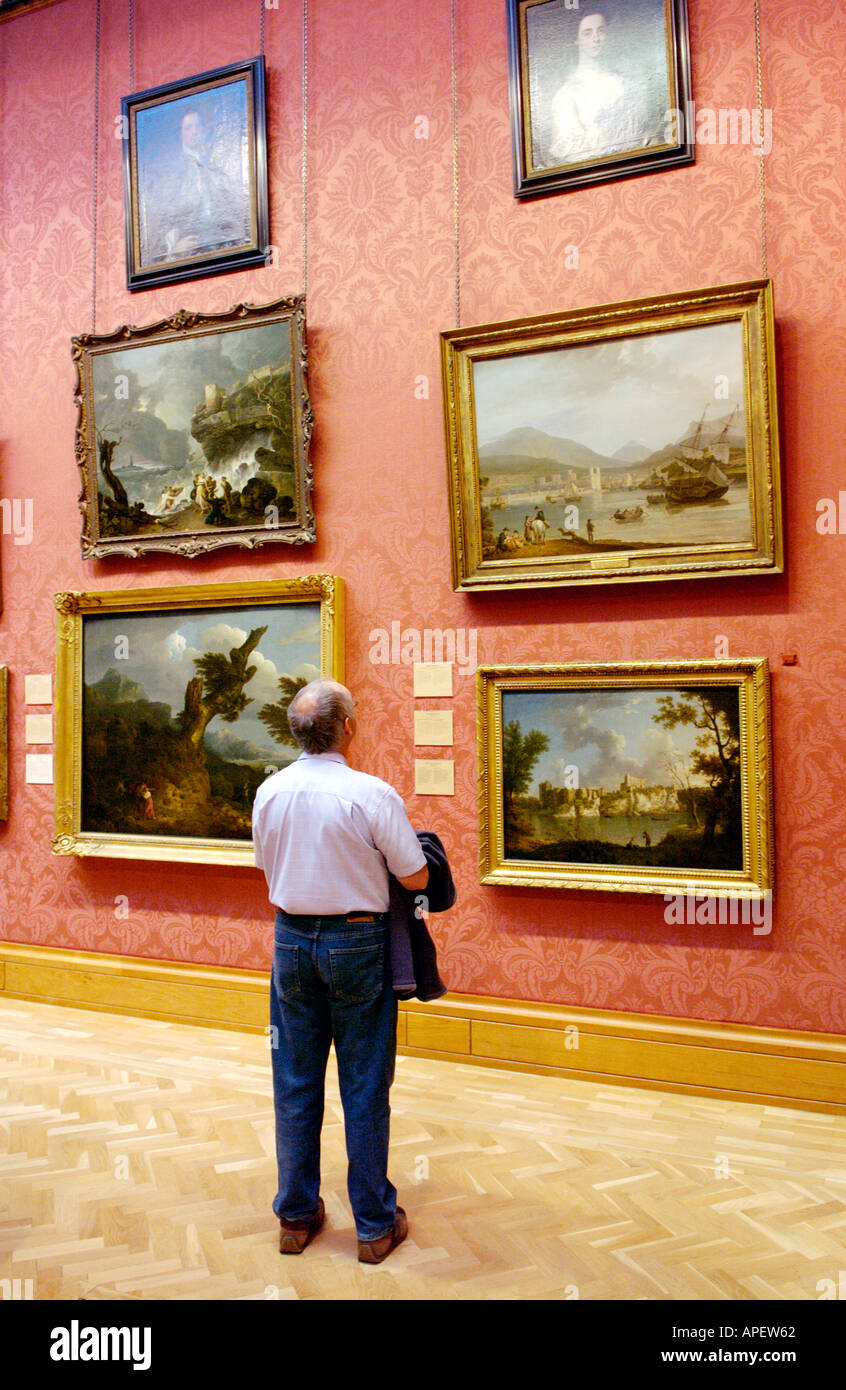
[[195, 176], [4, 743], [628, 442], [648, 777], [597, 93], [171, 709], [193, 432]]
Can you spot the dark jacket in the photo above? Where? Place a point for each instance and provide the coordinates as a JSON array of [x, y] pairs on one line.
[[414, 961]]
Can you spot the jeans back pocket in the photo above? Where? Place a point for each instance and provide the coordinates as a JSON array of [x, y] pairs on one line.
[[357, 973]]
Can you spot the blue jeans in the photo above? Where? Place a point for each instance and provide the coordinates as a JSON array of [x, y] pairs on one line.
[[332, 981]]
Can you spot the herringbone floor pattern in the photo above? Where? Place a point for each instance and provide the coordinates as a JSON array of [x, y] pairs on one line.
[[136, 1161]]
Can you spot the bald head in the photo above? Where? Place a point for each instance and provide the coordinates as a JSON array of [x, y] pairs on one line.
[[317, 715]]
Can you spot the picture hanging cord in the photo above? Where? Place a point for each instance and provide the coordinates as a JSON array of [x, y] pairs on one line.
[[456, 225], [261, 27], [94, 179], [305, 145], [762, 184], [131, 46]]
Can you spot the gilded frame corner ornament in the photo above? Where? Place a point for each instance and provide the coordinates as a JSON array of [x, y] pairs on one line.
[[262, 425], [664, 510], [215, 603], [514, 829]]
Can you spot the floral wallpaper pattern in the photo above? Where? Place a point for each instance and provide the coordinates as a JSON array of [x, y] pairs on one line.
[[381, 286]]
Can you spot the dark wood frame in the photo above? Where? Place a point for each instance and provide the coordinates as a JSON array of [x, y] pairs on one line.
[[533, 183], [190, 267], [185, 326]]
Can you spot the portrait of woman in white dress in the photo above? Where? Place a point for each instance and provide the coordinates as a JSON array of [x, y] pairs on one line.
[[598, 84], [594, 112]]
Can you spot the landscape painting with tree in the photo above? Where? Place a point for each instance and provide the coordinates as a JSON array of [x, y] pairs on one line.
[[184, 714], [193, 433], [625, 778]]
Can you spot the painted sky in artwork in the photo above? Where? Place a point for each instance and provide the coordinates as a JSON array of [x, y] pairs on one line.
[[604, 395], [162, 648], [606, 734], [170, 378]]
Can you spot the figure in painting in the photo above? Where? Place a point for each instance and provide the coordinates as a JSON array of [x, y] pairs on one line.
[[199, 208], [594, 112]]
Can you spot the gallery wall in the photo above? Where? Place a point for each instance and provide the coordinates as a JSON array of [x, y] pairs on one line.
[[381, 285]]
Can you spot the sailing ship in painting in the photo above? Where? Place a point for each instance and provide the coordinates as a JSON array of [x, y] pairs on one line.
[[691, 490], [696, 474]]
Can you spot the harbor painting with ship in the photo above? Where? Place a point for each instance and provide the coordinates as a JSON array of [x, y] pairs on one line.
[[634, 443]]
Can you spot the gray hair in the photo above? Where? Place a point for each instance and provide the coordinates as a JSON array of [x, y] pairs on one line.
[[317, 713]]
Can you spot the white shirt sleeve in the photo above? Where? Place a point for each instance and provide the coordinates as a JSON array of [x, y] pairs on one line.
[[256, 839], [394, 837]]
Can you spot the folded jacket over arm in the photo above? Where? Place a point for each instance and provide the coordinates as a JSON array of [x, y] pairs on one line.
[[414, 961]]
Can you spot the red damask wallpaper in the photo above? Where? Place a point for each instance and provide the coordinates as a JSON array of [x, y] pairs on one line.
[[381, 285]]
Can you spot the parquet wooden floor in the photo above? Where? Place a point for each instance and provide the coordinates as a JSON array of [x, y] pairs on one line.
[[137, 1162]]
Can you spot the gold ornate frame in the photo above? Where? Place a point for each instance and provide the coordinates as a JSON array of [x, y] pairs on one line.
[[73, 608], [4, 743], [184, 328], [750, 677], [749, 305]]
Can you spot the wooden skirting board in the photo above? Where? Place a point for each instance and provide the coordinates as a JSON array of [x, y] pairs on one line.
[[732, 1061]]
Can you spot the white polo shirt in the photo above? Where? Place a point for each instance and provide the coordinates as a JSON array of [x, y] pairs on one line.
[[326, 835]]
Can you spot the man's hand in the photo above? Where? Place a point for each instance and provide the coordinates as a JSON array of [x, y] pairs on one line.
[[416, 882]]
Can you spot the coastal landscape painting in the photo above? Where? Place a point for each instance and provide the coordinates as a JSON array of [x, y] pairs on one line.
[[194, 433], [182, 710], [637, 441], [579, 480], [632, 774]]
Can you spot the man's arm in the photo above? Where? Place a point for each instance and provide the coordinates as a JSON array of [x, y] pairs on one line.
[[397, 842], [416, 882]]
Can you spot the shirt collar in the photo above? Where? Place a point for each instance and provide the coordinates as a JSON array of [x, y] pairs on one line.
[[333, 757]]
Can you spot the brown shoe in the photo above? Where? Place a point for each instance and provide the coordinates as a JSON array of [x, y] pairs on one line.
[[373, 1252], [294, 1236]]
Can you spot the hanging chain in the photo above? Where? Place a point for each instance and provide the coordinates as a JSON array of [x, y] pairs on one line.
[[305, 146], [132, 45], [261, 27], [94, 180], [762, 183], [456, 223]]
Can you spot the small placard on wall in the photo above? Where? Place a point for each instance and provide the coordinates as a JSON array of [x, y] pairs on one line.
[[39, 728], [38, 690], [433, 727], [435, 778], [433, 678], [39, 768]]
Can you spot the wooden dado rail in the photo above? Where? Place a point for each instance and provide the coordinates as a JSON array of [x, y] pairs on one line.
[[732, 1061]]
